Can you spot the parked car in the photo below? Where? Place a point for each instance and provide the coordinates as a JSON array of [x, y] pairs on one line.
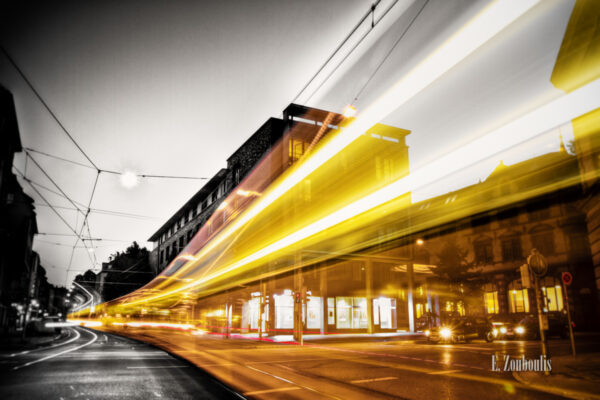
[[462, 329], [558, 325]]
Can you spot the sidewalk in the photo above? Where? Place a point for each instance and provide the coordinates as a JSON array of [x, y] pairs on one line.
[[573, 377], [337, 337], [15, 343]]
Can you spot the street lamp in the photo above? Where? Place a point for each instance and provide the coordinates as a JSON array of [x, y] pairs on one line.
[[129, 179]]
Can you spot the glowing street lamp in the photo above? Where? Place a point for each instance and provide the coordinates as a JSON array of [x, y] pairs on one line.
[[129, 179], [349, 111]]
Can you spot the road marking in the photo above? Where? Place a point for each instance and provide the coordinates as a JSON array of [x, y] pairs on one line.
[[159, 366], [59, 353], [49, 347], [157, 394], [388, 378], [448, 371], [274, 376], [286, 389]]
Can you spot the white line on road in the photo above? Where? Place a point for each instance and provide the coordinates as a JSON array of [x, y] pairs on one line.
[[387, 378], [50, 347], [159, 366], [447, 371], [286, 389], [58, 354]]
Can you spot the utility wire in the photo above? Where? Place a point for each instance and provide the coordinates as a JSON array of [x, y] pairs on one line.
[[52, 180], [391, 50], [30, 149], [373, 24], [57, 157], [14, 64], [371, 11]]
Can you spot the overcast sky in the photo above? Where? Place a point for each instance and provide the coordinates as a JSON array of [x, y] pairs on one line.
[[173, 88]]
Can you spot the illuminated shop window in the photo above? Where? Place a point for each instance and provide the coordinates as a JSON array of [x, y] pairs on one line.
[[284, 311], [418, 310], [554, 299], [331, 311], [384, 312], [351, 313], [490, 300], [314, 309], [518, 301]]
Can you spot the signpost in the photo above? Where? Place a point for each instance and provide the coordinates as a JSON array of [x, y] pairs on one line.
[[567, 279], [539, 266]]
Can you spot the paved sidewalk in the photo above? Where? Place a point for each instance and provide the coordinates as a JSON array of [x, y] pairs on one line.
[[574, 377], [16, 343]]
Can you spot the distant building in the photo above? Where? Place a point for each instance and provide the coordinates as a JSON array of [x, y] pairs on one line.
[[309, 126], [496, 243], [17, 226]]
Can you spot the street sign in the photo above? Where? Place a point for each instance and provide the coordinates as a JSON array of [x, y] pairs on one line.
[[567, 278], [537, 262]]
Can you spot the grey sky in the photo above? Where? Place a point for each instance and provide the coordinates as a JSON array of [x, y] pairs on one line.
[[174, 87]]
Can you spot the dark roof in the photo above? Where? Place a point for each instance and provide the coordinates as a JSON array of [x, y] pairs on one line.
[[276, 126], [192, 202]]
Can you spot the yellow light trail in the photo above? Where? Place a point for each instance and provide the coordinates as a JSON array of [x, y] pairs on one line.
[[522, 129], [487, 24]]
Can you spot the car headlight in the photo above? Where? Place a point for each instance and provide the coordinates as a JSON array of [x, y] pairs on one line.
[[503, 329], [520, 330], [495, 332], [445, 333], [427, 332]]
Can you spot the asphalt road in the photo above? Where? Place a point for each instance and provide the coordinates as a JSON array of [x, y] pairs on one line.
[[96, 365], [91, 364], [358, 370]]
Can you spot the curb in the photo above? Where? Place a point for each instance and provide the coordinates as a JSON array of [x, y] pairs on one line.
[[572, 394]]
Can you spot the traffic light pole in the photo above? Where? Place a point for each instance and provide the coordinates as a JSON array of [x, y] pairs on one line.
[[569, 319]]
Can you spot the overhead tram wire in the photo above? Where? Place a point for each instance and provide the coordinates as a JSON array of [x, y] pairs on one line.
[[110, 171], [28, 155], [390, 51], [57, 158], [363, 19], [52, 208], [41, 99], [374, 23]]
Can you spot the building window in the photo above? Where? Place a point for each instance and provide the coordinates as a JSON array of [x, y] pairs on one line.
[[518, 301], [554, 299], [483, 251], [162, 256], [297, 148], [189, 235], [542, 239], [536, 213], [384, 169], [351, 313], [181, 243], [490, 300], [511, 248]]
